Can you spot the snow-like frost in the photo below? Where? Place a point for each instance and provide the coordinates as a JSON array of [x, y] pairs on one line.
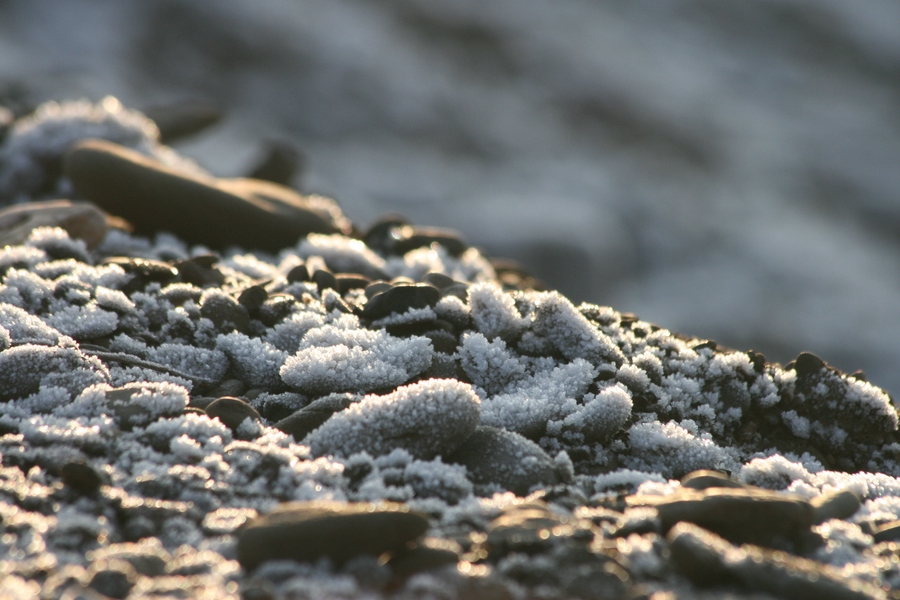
[[24, 369], [199, 362], [83, 322], [342, 254], [571, 333], [333, 358], [257, 362], [427, 419], [494, 311], [672, 449], [545, 397], [22, 326], [601, 415], [489, 364]]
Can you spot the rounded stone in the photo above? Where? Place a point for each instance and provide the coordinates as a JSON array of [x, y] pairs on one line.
[[307, 419], [704, 479], [838, 505], [400, 299], [216, 213], [253, 297], [505, 459], [225, 312], [232, 412], [81, 477], [427, 419], [81, 220], [309, 531]]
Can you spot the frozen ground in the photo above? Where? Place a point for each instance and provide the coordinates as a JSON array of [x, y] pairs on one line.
[[726, 169]]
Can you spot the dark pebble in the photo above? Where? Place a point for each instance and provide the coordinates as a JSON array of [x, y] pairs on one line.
[[808, 364], [253, 297], [275, 308], [400, 299], [298, 273], [382, 235], [81, 220], [304, 421], [439, 280], [339, 531], [145, 268], [418, 237], [426, 555], [281, 163], [199, 271], [888, 532], [81, 477], [376, 287], [706, 559], [225, 313], [324, 280], [232, 412], [227, 387], [504, 458], [442, 341], [179, 120], [112, 578], [347, 282], [701, 480], [741, 516], [216, 213], [838, 505]]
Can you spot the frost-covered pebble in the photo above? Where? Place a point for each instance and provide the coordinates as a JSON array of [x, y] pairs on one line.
[[428, 419]]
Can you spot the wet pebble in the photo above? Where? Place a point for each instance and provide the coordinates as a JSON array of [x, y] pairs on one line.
[[339, 531]]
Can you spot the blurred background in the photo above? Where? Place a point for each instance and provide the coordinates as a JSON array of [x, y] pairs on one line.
[[723, 168]]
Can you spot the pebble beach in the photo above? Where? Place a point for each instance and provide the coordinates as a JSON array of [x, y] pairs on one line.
[[224, 388]]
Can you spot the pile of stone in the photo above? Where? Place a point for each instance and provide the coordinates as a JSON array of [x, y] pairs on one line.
[[384, 412]]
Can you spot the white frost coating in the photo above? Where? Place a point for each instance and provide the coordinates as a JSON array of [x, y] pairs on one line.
[[57, 240], [425, 418], [5, 339], [335, 359], [601, 416], [113, 300], [256, 361], [494, 311], [798, 425], [251, 266], [490, 365], [571, 333], [83, 322], [199, 362], [341, 253], [23, 326], [21, 256], [25, 290], [452, 309], [633, 376], [672, 450], [625, 479], [45, 136], [288, 334], [546, 396]]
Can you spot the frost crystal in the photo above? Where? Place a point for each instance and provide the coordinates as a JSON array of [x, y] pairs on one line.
[[337, 359], [427, 419]]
